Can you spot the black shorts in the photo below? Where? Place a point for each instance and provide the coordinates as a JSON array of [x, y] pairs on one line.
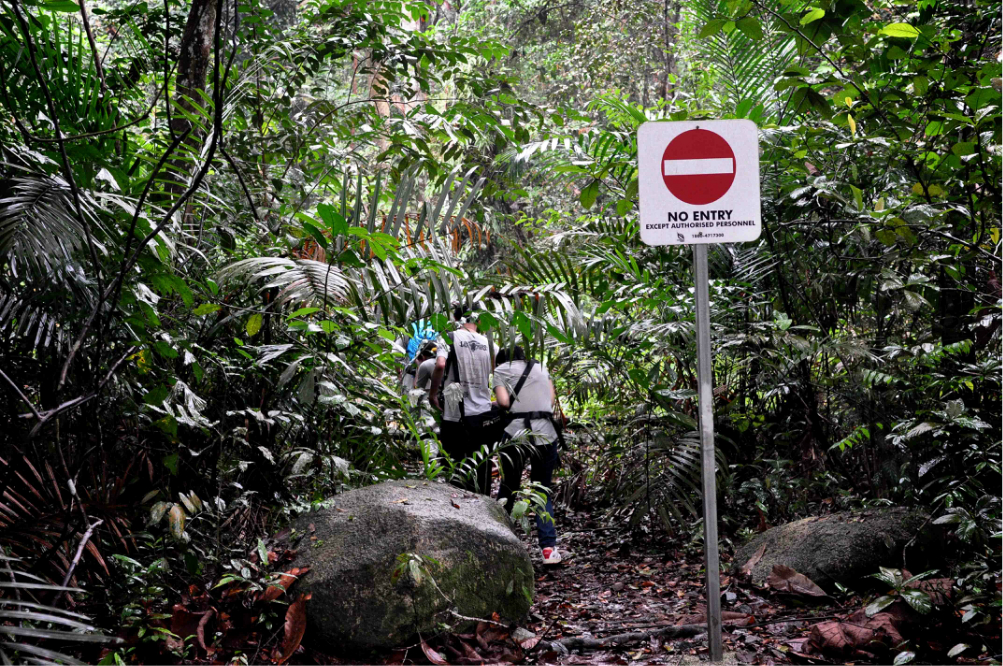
[[462, 440]]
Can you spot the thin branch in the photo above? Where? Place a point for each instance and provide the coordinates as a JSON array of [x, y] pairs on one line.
[[94, 50], [80, 549], [20, 394], [79, 400], [541, 12], [243, 186]]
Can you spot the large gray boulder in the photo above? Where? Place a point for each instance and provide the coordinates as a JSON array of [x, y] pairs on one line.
[[453, 551], [840, 547]]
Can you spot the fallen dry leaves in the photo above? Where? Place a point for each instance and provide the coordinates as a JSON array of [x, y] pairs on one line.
[[746, 569], [295, 628], [860, 636], [785, 579], [433, 655], [281, 583]]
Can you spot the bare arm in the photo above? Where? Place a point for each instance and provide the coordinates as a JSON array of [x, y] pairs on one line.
[[502, 397], [440, 370]]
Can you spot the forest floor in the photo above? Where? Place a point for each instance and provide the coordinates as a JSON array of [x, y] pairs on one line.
[[612, 584], [618, 598]]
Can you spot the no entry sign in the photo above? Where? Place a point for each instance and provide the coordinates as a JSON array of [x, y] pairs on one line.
[[699, 182]]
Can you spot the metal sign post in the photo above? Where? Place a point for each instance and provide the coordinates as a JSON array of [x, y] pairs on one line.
[[705, 378], [699, 184]]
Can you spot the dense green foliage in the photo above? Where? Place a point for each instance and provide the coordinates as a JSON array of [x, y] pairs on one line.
[[205, 274]]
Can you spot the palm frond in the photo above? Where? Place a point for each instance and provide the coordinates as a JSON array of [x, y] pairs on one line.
[[422, 280], [38, 228], [33, 632], [745, 68], [301, 281]]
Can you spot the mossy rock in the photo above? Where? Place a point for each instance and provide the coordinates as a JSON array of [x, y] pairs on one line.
[[843, 547], [470, 561]]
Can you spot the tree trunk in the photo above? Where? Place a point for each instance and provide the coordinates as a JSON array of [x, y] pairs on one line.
[[193, 65], [669, 22]]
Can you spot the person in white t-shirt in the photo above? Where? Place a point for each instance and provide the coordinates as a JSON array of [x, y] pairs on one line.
[[463, 370]]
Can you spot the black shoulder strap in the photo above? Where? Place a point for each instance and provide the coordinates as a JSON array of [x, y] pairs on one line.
[[523, 377], [452, 364]]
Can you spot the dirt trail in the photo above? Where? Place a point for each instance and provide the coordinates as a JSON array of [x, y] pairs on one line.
[[611, 584]]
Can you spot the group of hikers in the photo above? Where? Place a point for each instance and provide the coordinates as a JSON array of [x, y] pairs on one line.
[[520, 424]]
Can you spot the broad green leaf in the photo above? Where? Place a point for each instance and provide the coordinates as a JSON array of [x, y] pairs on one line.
[[158, 511], [206, 308], [918, 599], [750, 26], [814, 14], [858, 197], [963, 148], [262, 552], [913, 301], [176, 521], [302, 312], [589, 194], [710, 28], [415, 569], [632, 186], [171, 463], [957, 649], [253, 324], [934, 190], [903, 30], [62, 6], [893, 577], [878, 605], [333, 219], [195, 500], [187, 503], [904, 657], [182, 289], [982, 97], [157, 395]]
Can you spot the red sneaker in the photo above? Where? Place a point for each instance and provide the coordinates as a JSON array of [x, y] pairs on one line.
[[551, 557]]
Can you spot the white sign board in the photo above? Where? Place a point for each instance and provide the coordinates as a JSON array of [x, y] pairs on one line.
[[699, 182]]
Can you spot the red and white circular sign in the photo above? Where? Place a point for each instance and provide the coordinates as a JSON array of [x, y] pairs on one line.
[[698, 167]]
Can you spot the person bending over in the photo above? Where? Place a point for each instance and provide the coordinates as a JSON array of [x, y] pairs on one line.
[[524, 388]]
